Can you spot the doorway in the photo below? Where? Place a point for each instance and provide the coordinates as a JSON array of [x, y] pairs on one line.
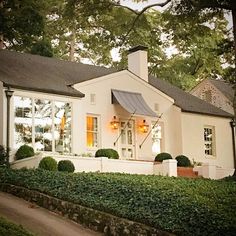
[[127, 142]]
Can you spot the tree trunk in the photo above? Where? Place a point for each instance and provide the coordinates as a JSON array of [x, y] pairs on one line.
[[72, 46]]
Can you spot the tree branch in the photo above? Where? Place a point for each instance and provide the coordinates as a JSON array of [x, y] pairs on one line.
[[139, 15]]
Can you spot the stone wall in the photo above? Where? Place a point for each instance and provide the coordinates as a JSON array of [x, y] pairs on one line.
[[93, 219]]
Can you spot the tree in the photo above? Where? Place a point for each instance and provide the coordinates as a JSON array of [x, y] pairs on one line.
[[21, 21]]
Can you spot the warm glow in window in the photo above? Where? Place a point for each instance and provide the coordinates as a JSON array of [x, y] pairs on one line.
[[92, 131]]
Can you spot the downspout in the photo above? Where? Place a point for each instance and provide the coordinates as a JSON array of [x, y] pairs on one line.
[[233, 124], [9, 94]]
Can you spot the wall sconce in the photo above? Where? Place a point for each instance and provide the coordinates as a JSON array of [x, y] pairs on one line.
[[144, 127], [114, 123]]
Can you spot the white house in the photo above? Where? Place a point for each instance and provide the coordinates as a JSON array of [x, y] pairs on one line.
[[60, 106]]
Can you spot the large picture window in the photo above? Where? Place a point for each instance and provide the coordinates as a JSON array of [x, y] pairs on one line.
[[92, 131], [43, 124], [209, 140]]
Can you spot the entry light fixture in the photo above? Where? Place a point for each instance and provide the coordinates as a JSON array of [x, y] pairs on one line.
[[114, 123], [144, 127]]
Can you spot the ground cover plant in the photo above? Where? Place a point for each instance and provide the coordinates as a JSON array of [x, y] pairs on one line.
[[178, 205], [9, 229]]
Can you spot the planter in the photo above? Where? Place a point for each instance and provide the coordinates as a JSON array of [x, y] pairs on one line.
[[186, 172]]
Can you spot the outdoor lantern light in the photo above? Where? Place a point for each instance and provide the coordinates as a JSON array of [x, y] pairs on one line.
[[114, 123], [144, 127]]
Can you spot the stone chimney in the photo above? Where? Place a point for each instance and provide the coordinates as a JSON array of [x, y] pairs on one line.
[[137, 62]]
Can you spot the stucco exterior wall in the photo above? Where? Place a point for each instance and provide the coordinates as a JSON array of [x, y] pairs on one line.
[[104, 108], [173, 131], [218, 99], [193, 139]]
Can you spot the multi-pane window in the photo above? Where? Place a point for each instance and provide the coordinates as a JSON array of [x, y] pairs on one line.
[[43, 124], [23, 121], [209, 140], [156, 138], [92, 131]]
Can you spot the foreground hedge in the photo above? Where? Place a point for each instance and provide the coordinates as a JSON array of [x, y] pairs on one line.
[[178, 205], [9, 229]]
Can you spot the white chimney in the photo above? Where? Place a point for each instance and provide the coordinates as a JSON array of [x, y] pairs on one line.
[[137, 62]]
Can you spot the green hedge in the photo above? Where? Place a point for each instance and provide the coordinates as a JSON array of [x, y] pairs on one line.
[[107, 152], [183, 161], [24, 151], [48, 163], [66, 165], [3, 155], [163, 156], [178, 205], [9, 229]]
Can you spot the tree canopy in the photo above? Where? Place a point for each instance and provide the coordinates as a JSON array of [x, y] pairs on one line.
[[92, 29]]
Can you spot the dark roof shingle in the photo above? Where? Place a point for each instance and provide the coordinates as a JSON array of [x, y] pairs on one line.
[[49, 75], [225, 87], [186, 101]]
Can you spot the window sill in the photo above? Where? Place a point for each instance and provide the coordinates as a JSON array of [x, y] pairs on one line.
[[210, 157]]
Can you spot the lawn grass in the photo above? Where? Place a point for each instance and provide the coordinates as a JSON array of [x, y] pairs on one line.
[[9, 229], [178, 205]]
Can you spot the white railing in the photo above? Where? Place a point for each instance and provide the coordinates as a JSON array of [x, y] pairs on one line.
[[211, 171], [103, 164]]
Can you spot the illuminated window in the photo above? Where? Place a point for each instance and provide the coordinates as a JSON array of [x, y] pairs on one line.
[[209, 140], [92, 131]]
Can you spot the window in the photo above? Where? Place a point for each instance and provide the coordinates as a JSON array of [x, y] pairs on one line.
[[23, 121], [156, 138], [209, 140], [62, 124], [92, 99], [92, 131], [43, 124]]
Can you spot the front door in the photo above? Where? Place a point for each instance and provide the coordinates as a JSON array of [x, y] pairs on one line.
[[127, 146]]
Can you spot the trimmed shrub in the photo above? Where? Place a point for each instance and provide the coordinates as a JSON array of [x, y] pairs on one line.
[[183, 161], [24, 151], [163, 156], [66, 165], [3, 155], [48, 163], [107, 152]]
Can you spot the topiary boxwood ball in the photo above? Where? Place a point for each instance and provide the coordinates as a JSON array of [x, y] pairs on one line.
[[24, 151], [107, 152], [48, 163], [66, 165], [163, 156], [183, 161]]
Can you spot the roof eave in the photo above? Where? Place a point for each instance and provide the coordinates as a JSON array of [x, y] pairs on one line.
[[208, 114], [48, 91]]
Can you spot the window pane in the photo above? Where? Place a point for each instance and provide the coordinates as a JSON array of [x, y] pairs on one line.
[[209, 140], [22, 121], [156, 139], [62, 131], [43, 125], [92, 131]]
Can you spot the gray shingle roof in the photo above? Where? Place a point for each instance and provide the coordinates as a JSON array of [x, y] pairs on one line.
[[186, 101], [226, 88], [49, 75]]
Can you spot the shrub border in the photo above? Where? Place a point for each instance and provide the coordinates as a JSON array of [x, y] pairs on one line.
[[93, 219]]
